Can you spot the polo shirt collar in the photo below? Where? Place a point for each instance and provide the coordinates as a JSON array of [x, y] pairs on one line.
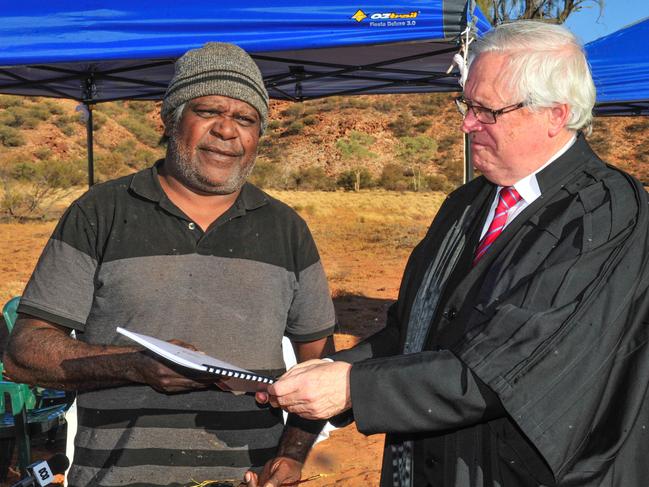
[[147, 185], [251, 197]]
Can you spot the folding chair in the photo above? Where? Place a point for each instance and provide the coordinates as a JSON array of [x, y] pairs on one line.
[[33, 411]]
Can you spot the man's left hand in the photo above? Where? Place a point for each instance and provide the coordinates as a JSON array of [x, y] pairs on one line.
[[278, 471], [316, 389]]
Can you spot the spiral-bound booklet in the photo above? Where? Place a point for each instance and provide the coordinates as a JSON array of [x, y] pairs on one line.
[[235, 378]]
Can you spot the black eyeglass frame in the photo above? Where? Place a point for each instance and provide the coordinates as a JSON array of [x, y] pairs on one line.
[[461, 103]]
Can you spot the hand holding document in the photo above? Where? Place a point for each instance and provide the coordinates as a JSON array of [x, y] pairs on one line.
[[315, 389], [232, 377]]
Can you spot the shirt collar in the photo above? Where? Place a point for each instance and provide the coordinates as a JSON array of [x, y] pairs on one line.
[[528, 187], [147, 185]]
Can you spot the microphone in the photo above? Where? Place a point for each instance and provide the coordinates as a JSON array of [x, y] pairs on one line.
[[43, 472]]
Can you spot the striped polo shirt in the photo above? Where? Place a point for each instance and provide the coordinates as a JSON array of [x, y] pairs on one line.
[[125, 255]]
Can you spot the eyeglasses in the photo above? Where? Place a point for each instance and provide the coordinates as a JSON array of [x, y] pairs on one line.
[[484, 114]]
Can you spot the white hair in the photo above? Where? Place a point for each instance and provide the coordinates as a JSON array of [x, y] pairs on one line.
[[546, 65], [175, 116]]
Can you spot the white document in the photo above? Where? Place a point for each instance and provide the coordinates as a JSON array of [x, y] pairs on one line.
[[235, 378]]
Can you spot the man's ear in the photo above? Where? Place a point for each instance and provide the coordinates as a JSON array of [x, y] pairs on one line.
[[558, 116]]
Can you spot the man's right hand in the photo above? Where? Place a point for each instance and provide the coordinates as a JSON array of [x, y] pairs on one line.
[[164, 378]]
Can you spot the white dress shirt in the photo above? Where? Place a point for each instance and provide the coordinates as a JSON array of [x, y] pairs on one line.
[[528, 188]]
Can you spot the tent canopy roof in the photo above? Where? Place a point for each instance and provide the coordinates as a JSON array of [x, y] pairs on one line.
[[620, 69], [85, 51]]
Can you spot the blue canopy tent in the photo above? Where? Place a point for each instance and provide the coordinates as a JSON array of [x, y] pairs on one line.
[[92, 52], [620, 67]]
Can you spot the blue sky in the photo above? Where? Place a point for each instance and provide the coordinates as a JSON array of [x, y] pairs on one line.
[[616, 14]]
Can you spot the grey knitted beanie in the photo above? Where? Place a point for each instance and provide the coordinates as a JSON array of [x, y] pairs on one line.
[[217, 68]]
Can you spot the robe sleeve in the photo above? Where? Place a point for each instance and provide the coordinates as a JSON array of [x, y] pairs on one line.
[[422, 392]]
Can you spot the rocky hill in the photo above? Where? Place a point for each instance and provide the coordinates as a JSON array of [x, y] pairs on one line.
[[401, 142]]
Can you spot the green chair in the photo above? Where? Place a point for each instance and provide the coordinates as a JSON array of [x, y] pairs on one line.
[[24, 411], [10, 312]]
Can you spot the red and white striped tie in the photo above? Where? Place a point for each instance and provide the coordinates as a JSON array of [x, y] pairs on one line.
[[507, 199]]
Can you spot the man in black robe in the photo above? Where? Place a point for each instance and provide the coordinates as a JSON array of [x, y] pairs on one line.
[[516, 354]]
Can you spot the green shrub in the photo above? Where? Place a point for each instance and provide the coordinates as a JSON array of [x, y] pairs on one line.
[[402, 126], [294, 128], [98, 120], [66, 124], [310, 120], [310, 108], [431, 104], [274, 124], [383, 106], [109, 165], [312, 178], [295, 111], [637, 126], [141, 108], [142, 131], [328, 104], [40, 112], [54, 108], [423, 125], [423, 110], [453, 169], [43, 153], [267, 175], [355, 102], [24, 171], [28, 117], [10, 137], [112, 109], [271, 148], [355, 179], [393, 177], [447, 143], [7, 118], [53, 173], [8, 101], [438, 182], [49, 181], [62, 174]]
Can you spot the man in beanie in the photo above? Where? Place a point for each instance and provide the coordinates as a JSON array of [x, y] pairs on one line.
[[184, 250]]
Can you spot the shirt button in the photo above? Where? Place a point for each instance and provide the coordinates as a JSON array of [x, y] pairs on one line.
[[450, 314], [191, 225]]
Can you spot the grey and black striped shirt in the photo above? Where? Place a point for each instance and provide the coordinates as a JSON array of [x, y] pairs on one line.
[[124, 255]]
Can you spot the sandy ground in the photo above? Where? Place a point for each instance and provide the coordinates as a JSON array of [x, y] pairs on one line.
[[364, 241]]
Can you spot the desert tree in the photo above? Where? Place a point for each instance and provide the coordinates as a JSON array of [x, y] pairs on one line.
[[554, 11], [355, 148], [414, 153]]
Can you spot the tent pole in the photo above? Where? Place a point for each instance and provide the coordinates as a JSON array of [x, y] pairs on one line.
[[89, 145], [468, 167]]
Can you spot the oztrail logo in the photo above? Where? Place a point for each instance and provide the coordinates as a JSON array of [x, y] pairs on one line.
[[359, 16]]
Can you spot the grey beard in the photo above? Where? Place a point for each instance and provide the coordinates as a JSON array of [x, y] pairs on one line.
[[180, 165]]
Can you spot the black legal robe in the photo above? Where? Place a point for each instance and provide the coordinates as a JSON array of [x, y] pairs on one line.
[[536, 365]]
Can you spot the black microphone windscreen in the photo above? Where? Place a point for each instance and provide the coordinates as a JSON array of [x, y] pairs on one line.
[[59, 463]]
